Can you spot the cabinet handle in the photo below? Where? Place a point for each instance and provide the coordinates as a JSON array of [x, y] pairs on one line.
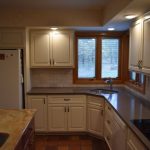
[[109, 108], [50, 61], [65, 108], [53, 62], [66, 99], [68, 108], [44, 100], [102, 112]]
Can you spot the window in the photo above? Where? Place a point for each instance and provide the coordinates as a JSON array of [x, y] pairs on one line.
[[110, 58], [98, 57], [137, 81], [86, 58]]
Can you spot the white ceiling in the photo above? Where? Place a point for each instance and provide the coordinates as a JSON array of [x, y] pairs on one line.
[[54, 4]]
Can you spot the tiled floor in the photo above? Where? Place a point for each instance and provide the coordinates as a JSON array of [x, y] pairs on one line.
[[61, 142]]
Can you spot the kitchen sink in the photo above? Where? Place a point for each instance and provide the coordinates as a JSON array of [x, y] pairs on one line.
[[3, 138], [104, 91]]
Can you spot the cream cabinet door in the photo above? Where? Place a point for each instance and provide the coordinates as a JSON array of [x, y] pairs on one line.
[[95, 120], [135, 44], [40, 49], [146, 46], [62, 49], [76, 117], [40, 104], [57, 117]]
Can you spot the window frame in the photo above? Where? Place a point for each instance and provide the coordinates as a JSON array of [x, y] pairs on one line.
[[98, 36]]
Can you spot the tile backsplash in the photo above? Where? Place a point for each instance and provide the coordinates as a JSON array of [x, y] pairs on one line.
[[63, 77]]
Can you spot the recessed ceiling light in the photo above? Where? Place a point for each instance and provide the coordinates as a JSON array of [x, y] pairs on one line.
[[111, 29], [53, 28], [130, 16], [147, 17]]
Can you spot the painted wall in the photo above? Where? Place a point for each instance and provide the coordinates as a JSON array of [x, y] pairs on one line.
[[39, 17]]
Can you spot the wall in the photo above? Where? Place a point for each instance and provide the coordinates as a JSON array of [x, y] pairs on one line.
[[47, 17]]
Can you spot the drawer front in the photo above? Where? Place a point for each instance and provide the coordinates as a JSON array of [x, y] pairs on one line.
[[134, 141], [65, 99], [95, 101]]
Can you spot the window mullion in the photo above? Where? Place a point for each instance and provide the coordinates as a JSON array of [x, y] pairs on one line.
[[98, 58]]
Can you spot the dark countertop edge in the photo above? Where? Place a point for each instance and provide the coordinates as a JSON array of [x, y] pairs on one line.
[[136, 131]]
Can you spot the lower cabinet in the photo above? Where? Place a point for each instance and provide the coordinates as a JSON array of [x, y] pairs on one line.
[[40, 104], [67, 113], [115, 130], [133, 143], [95, 115]]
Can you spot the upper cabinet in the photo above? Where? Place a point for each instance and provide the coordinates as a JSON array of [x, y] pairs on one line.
[[135, 44], [139, 45], [12, 38], [146, 45], [51, 48]]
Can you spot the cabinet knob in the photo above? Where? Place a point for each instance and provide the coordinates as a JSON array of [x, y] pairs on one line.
[[108, 121]]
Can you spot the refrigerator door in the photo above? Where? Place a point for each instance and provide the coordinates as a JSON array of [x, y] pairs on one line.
[[10, 79]]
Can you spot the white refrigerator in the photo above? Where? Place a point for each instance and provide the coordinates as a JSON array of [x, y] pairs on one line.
[[11, 79]]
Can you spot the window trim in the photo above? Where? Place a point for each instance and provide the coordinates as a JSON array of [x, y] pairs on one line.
[[99, 36]]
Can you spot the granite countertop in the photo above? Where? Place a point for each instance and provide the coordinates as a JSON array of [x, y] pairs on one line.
[[127, 105], [14, 122]]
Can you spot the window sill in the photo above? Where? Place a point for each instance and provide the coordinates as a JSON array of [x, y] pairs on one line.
[[136, 87]]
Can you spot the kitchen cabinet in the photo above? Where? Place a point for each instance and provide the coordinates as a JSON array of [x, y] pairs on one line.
[[67, 113], [40, 104], [95, 115], [146, 45], [40, 49], [51, 48], [139, 45], [135, 55], [115, 130], [133, 143], [12, 38]]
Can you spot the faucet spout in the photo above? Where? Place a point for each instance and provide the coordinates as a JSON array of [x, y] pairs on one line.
[[109, 81]]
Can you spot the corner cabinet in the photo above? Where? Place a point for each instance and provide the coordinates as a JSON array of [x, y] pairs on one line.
[[51, 48], [95, 115], [66, 113], [40, 104], [139, 45]]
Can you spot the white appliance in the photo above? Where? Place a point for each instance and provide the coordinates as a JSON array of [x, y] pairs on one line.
[[11, 79]]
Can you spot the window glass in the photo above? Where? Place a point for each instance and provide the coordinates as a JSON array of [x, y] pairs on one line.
[[132, 76], [86, 57], [110, 58]]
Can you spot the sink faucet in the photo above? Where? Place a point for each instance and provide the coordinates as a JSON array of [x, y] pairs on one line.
[[110, 83]]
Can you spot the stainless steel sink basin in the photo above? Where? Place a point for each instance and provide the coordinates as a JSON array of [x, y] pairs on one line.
[[3, 138], [104, 91]]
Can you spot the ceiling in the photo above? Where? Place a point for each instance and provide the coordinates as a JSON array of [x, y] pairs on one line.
[[85, 15], [55, 4]]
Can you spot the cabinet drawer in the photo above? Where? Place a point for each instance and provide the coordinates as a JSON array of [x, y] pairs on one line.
[[95, 101], [67, 99], [134, 142]]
